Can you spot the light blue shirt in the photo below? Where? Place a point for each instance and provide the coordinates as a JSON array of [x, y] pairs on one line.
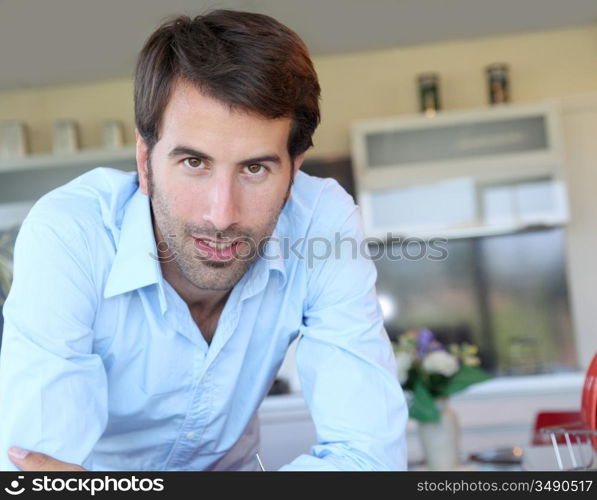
[[102, 364]]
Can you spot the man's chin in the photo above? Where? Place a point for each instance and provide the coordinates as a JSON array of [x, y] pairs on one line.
[[214, 275], [217, 264]]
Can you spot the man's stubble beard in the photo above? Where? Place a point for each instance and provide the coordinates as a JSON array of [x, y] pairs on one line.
[[203, 273]]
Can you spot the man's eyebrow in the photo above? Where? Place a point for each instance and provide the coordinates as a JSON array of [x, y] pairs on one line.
[[263, 159], [188, 151]]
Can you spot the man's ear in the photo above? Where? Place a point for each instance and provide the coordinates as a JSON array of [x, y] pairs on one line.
[[296, 164], [298, 161], [142, 156]]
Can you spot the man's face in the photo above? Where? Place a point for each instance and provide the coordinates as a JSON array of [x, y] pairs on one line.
[[215, 177]]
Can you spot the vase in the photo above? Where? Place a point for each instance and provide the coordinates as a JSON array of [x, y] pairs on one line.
[[440, 440]]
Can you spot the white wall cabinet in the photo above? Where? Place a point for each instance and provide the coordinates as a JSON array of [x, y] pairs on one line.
[[458, 174]]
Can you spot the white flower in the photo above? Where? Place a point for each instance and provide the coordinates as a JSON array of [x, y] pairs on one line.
[[404, 362], [440, 362]]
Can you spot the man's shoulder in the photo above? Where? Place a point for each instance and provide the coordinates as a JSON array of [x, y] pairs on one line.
[[319, 203], [91, 202]]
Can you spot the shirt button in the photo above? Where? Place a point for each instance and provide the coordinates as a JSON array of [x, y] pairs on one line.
[[191, 435]]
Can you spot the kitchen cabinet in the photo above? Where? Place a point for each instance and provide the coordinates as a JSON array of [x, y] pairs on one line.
[[461, 173]]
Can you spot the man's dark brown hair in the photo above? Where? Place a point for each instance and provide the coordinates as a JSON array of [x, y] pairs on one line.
[[249, 61]]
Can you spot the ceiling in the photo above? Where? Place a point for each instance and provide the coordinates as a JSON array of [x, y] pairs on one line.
[[48, 42]]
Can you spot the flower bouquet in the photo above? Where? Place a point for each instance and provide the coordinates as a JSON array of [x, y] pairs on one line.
[[430, 371]]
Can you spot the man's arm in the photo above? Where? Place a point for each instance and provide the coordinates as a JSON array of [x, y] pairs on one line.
[[347, 367], [33, 462], [53, 387]]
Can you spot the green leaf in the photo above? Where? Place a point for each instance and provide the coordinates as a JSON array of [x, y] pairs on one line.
[[466, 376], [422, 405]]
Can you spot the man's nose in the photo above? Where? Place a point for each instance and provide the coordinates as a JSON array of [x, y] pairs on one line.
[[222, 202]]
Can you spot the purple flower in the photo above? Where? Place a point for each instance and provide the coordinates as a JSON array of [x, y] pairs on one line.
[[425, 342]]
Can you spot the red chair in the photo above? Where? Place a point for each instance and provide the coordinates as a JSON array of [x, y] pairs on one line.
[[568, 419]]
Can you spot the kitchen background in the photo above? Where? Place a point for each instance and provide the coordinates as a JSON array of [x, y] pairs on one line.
[[517, 281]]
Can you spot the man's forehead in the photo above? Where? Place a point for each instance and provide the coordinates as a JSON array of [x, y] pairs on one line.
[[200, 122], [186, 96]]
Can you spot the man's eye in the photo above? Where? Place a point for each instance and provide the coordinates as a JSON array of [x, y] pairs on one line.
[[255, 169], [194, 163]]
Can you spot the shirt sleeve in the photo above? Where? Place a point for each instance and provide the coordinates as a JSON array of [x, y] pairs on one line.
[[346, 364], [53, 387]]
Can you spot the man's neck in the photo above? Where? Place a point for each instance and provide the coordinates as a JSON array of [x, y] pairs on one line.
[[201, 301]]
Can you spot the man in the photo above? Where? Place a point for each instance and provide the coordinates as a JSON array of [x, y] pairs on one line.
[[150, 313]]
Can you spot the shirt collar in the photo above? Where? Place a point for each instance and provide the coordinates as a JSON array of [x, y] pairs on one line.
[[135, 264], [259, 272]]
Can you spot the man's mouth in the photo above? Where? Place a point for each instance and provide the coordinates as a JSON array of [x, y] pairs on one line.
[[219, 246], [217, 250]]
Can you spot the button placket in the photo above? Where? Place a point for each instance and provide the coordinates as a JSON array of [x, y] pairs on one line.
[[195, 424]]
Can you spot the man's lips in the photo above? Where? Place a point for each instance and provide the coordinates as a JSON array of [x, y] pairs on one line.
[[226, 253], [213, 240]]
